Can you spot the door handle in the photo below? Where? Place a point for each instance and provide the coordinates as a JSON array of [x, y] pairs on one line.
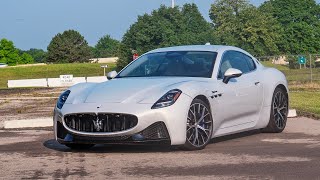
[[256, 83]]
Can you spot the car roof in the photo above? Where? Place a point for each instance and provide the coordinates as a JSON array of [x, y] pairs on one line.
[[213, 48]]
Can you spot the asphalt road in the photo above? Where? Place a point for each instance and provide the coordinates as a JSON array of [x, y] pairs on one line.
[[293, 154]]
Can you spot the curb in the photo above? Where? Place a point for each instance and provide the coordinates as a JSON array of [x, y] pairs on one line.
[[28, 98], [28, 123], [292, 113]]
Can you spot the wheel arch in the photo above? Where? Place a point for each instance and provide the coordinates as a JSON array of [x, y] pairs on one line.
[[283, 87], [203, 98]]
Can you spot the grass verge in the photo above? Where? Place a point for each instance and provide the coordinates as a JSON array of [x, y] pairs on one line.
[[307, 103], [51, 71], [296, 75]]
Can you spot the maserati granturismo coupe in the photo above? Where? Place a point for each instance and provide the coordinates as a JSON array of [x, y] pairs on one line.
[[182, 96]]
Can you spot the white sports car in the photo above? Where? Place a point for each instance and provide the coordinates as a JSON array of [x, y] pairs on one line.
[[183, 95]]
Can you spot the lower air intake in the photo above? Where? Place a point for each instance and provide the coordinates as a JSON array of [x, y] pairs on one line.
[[155, 131]]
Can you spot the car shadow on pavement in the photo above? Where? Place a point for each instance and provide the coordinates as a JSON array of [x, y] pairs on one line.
[[235, 136], [101, 148]]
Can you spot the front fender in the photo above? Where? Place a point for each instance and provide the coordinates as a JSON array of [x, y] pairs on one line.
[[194, 89]]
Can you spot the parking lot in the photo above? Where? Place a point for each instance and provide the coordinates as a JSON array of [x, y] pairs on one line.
[[294, 154]]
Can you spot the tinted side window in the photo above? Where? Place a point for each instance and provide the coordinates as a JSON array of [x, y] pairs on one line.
[[225, 64], [251, 64], [233, 59]]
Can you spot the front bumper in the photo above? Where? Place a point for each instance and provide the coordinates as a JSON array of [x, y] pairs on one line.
[[172, 119], [154, 134]]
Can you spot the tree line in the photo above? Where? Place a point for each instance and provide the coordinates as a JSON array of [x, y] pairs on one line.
[[276, 27], [68, 47]]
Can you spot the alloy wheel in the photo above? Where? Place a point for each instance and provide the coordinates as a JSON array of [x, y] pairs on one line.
[[199, 125], [280, 109]]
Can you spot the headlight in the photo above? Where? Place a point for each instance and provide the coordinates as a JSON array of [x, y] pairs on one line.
[[62, 99], [168, 99]]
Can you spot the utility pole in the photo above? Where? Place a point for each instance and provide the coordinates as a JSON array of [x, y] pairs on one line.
[[311, 68], [172, 3]]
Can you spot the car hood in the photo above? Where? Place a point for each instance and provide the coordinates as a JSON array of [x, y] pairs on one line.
[[126, 90]]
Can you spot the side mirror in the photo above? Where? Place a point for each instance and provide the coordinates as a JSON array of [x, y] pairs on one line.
[[231, 73], [111, 75]]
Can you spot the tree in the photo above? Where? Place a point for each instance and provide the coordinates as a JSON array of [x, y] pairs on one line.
[[8, 53], [164, 27], [197, 30], [106, 47], [259, 33], [238, 23], [38, 55], [300, 22], [26, 59], [68, 47]]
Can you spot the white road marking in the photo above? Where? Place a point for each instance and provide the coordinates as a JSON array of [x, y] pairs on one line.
[[28, 123], [27, 98], [292, 141]]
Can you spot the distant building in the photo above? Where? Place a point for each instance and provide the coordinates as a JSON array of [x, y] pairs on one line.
[[280, 60]]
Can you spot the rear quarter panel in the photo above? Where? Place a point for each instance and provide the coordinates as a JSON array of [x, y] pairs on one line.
[[272, 78]]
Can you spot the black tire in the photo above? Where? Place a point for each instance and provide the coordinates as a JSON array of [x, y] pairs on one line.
[[199, 126], [279, 112], [79, 146]]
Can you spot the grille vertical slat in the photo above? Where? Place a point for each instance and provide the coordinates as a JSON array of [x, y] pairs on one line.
[[108, 125], [91, 127], [78, 124], [113, 125], [123, 123], [103, 122], [73, 123]]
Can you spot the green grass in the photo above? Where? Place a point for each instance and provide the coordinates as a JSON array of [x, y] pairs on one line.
[[306, 102], [51, 71], [296, 75], [280, 67]]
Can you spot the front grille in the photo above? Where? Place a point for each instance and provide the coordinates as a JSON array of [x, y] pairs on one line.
[[103, 122]]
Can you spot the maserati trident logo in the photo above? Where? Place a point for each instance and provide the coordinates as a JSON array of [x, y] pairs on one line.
[[97, 124]]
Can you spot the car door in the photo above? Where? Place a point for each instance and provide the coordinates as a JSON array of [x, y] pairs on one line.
[[240, 96]]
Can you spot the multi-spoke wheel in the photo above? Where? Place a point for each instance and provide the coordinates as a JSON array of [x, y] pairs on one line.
[[199, 125], [279, 112]]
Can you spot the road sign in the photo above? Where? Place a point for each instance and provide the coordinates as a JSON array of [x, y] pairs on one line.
[[302, 60], [66, 78], [135, 56]]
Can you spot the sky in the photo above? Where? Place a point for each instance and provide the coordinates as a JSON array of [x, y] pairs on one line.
[[33, 23]]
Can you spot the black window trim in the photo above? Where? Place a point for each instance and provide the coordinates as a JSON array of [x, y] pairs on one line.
[[255, 66], [218, 78]]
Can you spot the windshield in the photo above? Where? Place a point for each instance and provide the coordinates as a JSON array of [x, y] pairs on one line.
[[173, 63]]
